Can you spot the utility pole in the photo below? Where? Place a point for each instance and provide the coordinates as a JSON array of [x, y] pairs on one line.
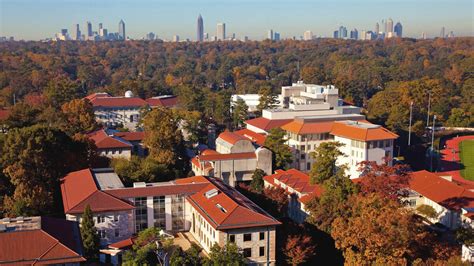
[[432, 143], [409, 127], [428, 114]]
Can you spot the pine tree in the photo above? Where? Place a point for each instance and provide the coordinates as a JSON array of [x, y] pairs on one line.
[[90, 238], [257, 180], [325, 157]]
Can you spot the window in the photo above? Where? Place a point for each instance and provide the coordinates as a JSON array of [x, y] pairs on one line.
[[303, 147], [262, 235], [247, 252], [117, 232], [141, 216], [308, 166], [232, 238], [159, 212], [100, 219], [261, 252], [116, 218], [177, 212], [247, 237], [412, 202], [303, 156], [131, 118], [101, 233]]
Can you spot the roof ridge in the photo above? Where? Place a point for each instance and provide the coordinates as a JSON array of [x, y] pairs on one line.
[[60, 243], [90, 194]]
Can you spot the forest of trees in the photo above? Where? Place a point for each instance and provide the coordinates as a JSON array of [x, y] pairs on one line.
[[382, 76]]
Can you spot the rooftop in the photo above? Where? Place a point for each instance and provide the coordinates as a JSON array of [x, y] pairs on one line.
[[362, 131], [41, 240], [267, 124], [165, 101], [231, 137], [254, 137], [103, 141], [296, 180]]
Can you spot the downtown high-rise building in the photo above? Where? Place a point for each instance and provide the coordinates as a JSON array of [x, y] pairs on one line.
[[308, 35], [389, 25], [77, 33], [276, 36], [398, 29], [200, 29], [270, 35], [121, 30], [442, 33], [342, 32], [377, 28], [89, 29], [220, 33], [354, 34]]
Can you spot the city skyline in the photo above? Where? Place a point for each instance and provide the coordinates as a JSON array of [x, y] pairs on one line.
[[171, 19]]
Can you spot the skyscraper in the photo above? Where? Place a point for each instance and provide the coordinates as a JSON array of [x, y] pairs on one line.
[[443, 33], [308, 35], [276, 36], [377, 28], [398, 29], [270, 35], [220, 31], [389, 25], [121, 30], [335, 35], [354, 34], [200, 29], [77, 33], [89, 29]]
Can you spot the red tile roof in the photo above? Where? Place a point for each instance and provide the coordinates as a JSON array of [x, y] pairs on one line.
[[257, 138], [267, 124], [308, 128], [79, 189], [231, 137], [361, 131], [164, 101], [124, 244], [56, 241], [235, 211], [296, 180], [104, 141], [118, 102], [441, 191], [227, 156], [130, 136], [4, 114], [97, 95]]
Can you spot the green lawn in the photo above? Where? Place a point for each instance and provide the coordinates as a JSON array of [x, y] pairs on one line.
[[466, 149]]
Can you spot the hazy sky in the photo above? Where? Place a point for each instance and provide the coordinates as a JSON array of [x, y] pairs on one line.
[[39, 19]]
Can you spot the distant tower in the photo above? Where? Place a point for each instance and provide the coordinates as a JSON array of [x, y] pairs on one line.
[[276, 36], [377, 28], [398, 29], [389, 25], [308, 35], [89, 29], [200, 29], [354, 34], [443, 33], [77, 33], [121, 30], [270, 35], [220, 31]]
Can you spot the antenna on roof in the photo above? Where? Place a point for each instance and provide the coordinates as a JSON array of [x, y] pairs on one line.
[[298, 69]]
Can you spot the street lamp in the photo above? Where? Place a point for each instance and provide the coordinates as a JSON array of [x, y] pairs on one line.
[[409, 127], [428, 114], [432, 142]]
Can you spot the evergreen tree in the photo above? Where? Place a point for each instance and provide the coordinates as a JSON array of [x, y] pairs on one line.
[[257, 180], [267, 99], [90, 238], [325, 157], [239, 114], [282, 155]]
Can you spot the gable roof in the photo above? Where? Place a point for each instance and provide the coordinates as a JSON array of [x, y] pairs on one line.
[[298, 127], [78, 189], [165, 101], [267, 124], [55, 241], [361, 131], [227, 156], [440, 190], [131, 136], [93, 96], [254, 137], [103, 141], [294, 179], [117, 102], [228, 209], [231, 137]]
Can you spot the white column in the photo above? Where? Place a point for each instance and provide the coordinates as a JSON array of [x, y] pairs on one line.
[[150, 213], [169, 225]]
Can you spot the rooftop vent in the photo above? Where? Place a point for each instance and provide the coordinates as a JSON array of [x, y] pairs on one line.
[[211, 193], [139, 184], [221, 208]]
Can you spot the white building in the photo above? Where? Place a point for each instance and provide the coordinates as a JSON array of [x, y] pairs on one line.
[[210, 210], [362, 142], [220, 34], [234, 160], [308, 35], [251, 100], [304, 134]]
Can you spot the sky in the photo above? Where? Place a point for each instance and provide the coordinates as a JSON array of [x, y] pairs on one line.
[[40, 19]]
